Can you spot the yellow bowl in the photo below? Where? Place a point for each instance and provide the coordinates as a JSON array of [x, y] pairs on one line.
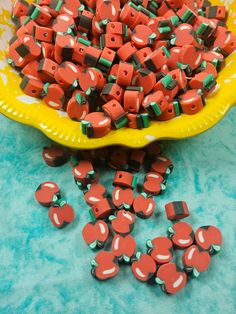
[[56, 125]]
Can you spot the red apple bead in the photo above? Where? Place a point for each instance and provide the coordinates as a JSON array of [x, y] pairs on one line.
[[160, 249], [153, 184], [181, 234], [170, 278], [61, 216], [144, 267], [162, 165], [125, 179], [123, 198], [123, 222], [96, 233], [102, 209], [195, 260], [144, 206], [209, 238], [95, 193], [123, 247], [54, 156], [46, 193], [104, 266], [84, 171]]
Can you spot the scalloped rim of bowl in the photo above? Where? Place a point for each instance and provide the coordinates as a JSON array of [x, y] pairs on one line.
[[57, 126]]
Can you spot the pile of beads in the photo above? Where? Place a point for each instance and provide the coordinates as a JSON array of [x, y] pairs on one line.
[[112, 63]]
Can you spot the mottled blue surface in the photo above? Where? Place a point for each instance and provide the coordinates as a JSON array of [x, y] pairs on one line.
[[44, 270]]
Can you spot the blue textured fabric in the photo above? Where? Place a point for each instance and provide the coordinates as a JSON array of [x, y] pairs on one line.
[[45, 270]]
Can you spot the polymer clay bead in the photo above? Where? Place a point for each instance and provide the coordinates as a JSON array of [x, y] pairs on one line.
[[46, 193], [195, 260], [96, 234], [160, 249], [181, 234], [209, 238], [54, 156], [104, 266], [144, 206], [176, 210], [170, 278], [124, 248], [143, 267]]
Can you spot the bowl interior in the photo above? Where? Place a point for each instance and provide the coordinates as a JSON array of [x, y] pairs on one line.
[[57, 126]]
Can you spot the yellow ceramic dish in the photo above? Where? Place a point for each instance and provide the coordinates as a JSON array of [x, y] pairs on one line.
[[56, 125]]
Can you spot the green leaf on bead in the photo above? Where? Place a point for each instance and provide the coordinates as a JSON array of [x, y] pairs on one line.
[[159, 281], [126, 258], [216, 248], [112, 217], [93, 245], [195, 272], [94, 263], [149, 244]]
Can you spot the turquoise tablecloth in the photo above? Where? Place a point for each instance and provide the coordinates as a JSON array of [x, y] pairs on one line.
[[44, 270]]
